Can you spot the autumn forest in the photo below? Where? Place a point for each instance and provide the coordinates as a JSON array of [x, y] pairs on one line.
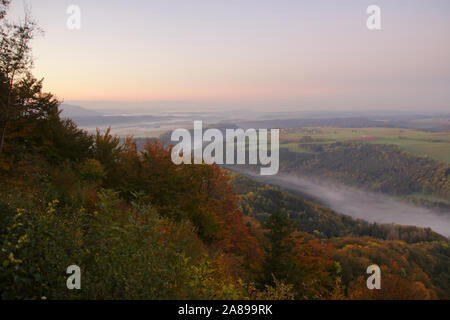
[[141, 227]]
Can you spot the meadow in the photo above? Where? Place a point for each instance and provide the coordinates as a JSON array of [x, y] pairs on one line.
[[435, 145]]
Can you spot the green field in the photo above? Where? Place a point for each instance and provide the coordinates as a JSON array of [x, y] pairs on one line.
[[436, 145]]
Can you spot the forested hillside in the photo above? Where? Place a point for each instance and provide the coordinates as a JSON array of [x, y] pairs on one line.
[[259, 200], [355, 242]]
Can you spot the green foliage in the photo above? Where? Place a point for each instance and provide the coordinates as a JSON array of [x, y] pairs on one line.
[[123, 254], [279, 262]]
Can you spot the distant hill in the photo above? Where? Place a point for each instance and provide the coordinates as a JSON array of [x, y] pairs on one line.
[[70, 111]]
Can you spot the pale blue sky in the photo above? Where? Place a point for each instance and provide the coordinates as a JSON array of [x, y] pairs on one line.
[[296, 55]]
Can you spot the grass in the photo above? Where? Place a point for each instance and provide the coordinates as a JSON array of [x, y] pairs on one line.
[[294, 147], [434, 145]]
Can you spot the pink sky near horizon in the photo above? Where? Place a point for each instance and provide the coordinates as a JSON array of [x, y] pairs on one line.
[[296, 54]]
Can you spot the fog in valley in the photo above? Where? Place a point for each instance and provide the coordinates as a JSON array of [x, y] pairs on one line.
[[372, 207]]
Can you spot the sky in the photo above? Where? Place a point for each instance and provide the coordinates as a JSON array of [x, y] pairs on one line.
[[265, 55]]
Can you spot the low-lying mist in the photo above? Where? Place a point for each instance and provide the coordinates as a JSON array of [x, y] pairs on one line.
[[370, 206]]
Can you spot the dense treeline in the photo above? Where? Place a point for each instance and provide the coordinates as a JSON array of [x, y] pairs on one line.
[[141, 227], [420, 270], [382, 168]]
